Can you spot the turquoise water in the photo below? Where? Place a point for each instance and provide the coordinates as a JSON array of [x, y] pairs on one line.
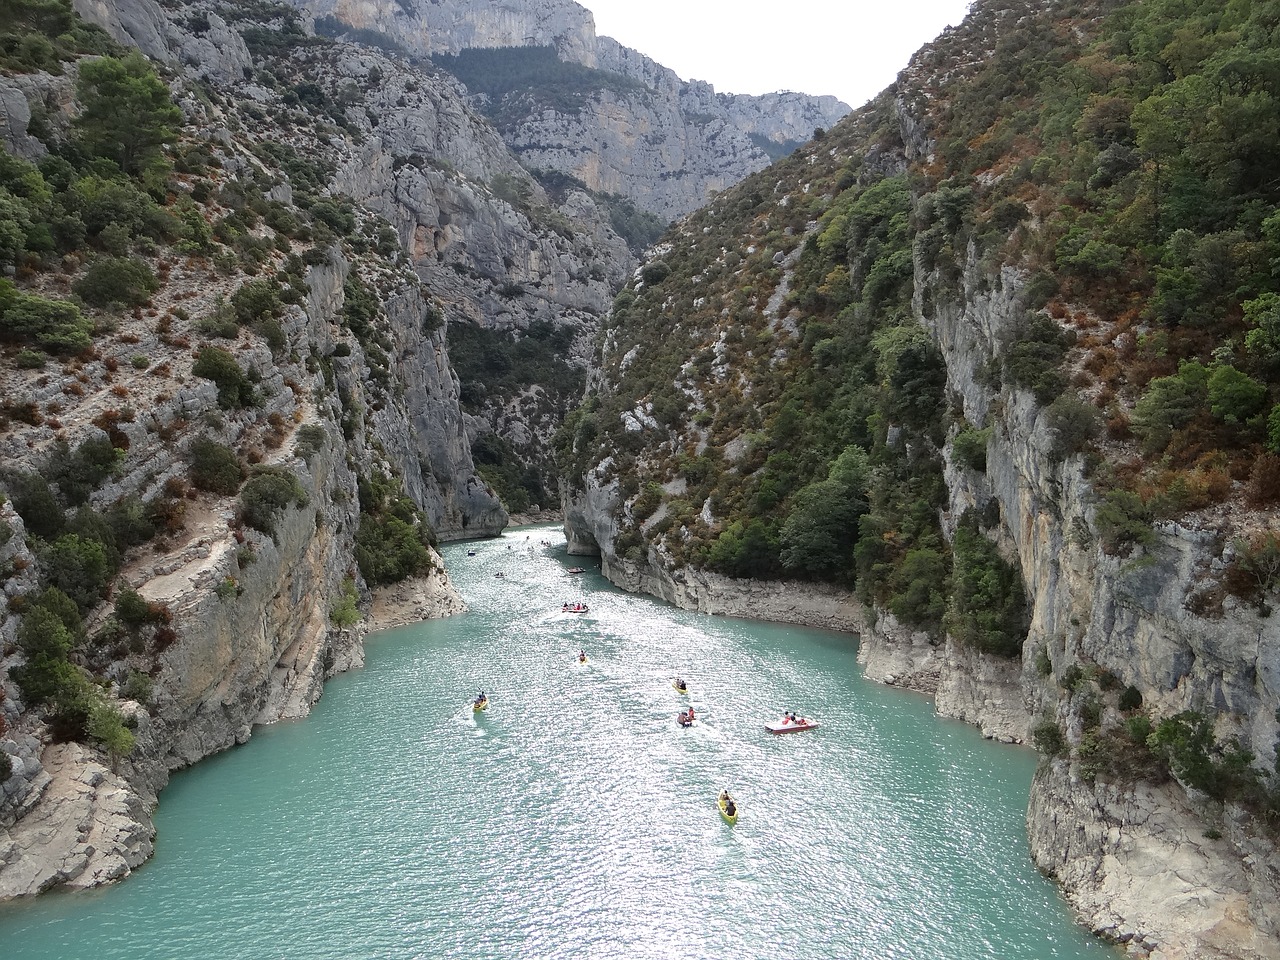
[[574, 819]]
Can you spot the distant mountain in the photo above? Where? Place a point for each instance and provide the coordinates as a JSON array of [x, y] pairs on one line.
[[571, 102]]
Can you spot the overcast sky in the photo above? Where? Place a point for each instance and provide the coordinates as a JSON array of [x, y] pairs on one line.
[[850, 48]]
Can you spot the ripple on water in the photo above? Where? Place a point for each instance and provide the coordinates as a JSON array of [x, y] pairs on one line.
[[574, 819]]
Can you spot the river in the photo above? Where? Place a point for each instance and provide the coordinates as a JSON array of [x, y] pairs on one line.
[[574, 818]]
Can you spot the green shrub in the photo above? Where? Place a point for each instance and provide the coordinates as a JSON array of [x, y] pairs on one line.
[[988, 604], [311, 439], [80, 472], [255, 301], [338, 216], [221, 323], [265, 494], [45, 642], [1170, 403], [61, 606], [78, 567], [1072, 678], [389, 549], [55, 325], [214, 467], [117, 281], [655, 272], [126, 112], [918, 588], [234, 388], [345, 612], [392, 541], [36, 504], [969, 448], [1035, 355], [1075, 424], [137, 687], [1049, 739], [746, 549], [106, 727], [131, 609], [131, 522], [1123, 522], [1234, 396]]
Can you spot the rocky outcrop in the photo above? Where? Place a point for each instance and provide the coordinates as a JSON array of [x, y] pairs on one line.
[[667, 145], [413, 601], [449, 26], [1122, 853], [23, 97], [134, 23], [89, 828]]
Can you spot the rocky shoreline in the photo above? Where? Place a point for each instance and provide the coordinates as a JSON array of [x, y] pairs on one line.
[[414, 600], [1138, 865], [83, 824]]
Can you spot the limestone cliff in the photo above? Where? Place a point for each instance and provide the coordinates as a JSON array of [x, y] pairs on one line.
[[666, 144]]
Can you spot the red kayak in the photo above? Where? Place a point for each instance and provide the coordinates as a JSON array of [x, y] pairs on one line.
[[787, 725]]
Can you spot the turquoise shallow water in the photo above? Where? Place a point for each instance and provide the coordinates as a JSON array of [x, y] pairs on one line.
[[574, 819]]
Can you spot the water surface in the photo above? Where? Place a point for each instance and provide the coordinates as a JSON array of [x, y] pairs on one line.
[[574, 819]]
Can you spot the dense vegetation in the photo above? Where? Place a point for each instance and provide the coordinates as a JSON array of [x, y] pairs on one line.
[[792, 433], [1143, 151], [393, 539], [533, 369]]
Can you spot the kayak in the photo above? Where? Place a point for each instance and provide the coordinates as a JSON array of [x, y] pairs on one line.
[[583, 660], [478, 705], [576, 570], [791, 726], [729, 818], [680, 689], [578, 608]]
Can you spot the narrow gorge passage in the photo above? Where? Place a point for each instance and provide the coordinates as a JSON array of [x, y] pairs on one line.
[[574, 818]]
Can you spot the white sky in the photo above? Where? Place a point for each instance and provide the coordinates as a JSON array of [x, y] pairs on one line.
[[850, 48]]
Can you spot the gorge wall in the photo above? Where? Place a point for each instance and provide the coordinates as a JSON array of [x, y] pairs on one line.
[[382, 229], [1150, 863]]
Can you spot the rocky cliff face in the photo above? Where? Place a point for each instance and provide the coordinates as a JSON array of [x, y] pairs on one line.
[[667, 145], [1160, 868], [250, 636]]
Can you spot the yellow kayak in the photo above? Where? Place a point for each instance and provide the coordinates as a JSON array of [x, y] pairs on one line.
[[679, 688], [478, 705], [729, 818]]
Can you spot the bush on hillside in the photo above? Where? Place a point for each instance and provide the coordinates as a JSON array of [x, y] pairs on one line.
[[234, 387], [57, 326], [214, 467], [265, 494], [79, 567], [117, 282]]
